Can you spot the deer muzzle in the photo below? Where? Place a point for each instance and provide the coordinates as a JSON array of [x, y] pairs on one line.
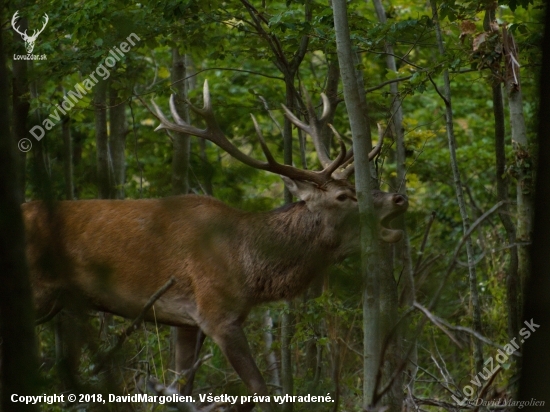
[[396, 206]]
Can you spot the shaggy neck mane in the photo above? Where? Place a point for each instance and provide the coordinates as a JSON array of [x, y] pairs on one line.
[[284, 250]]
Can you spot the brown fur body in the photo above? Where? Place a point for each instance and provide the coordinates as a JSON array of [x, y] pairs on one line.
[[117, 253]]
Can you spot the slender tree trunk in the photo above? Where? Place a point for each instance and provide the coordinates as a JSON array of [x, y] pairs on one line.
[[402, 250], [207, 184], [180, 185], [105, 173], [18, 357], [287, 317], [524, 158], [117, 140], [68, 158], [474, 296], [513, 288], [40, 163], [335, 372], [370, 255], [271, 359], [182, 143], [289, 70], [21, 106], [102, 142], [287, 332], [513, 284], [512, 281], [403, 253]]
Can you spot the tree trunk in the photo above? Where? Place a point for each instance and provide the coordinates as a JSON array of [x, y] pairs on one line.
[[370, 255], [180, 186], [287, 331], [102, 142], [402, 250], [287, 317], [18, 357], [21, 106], [474, 296], [181, 153], [535, 379], [524, 159], [513, 289], [207, 184], [40, 163], [68, 158], [182, 142], [117, 141], [271, 359], [512, 284]]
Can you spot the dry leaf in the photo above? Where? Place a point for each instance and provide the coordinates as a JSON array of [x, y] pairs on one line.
[[479, 40], [467, 27]]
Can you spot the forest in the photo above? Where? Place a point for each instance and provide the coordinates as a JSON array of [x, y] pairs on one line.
[[414, 130]]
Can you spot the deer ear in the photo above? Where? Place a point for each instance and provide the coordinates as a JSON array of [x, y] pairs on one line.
[[301, 189]]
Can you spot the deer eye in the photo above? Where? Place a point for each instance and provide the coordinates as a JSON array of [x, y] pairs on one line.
[[342, 197]]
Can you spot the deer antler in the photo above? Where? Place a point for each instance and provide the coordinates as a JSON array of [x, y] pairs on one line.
[[213, 133], [314, 130]]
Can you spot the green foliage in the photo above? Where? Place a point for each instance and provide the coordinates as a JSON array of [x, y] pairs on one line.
[[241, 67]]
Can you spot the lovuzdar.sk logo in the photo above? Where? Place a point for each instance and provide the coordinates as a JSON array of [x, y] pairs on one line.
[[30, 40]]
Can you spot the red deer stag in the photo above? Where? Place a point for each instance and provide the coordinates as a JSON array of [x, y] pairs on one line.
[[225, 261]]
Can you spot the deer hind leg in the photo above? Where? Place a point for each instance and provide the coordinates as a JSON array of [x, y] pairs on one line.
[[188, 343], [233, 343], [47, 303]]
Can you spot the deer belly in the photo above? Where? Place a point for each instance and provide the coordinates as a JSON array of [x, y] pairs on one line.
[[129, 302]]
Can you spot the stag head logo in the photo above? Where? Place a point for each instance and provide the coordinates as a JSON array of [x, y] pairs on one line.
[[29, 40]]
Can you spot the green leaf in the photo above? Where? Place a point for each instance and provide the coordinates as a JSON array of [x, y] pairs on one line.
[[391, 75]]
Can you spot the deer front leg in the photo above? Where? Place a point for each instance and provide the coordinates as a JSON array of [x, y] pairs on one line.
[[233, 343], [189, 340]]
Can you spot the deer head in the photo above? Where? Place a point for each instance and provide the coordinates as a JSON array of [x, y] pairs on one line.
[[29, 40]]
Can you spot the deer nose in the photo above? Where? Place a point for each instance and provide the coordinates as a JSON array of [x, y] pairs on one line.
[[400, 200]]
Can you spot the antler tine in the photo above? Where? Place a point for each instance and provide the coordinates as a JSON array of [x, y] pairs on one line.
[[319, 124], [206, 97], [343, 157], [206, 111], [297, 122], [212, 131], [377, 149], [318, 177], [181, 125], [326, 108], [174, 111], [314, 127], [269, 157], [348, 170], [164, 122], [336, 163]]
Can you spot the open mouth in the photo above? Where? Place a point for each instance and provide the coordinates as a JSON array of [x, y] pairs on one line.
[[387, 234]]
